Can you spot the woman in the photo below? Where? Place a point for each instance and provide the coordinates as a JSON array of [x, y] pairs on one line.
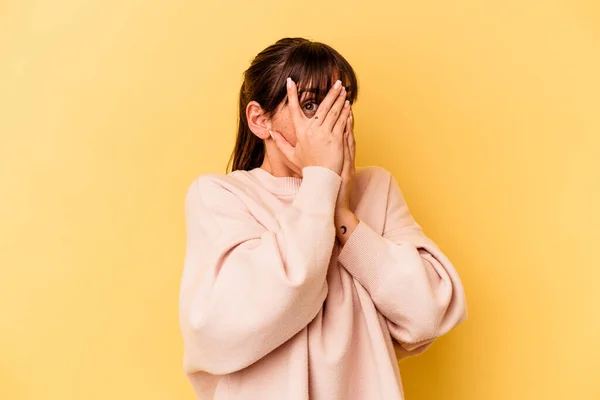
[[304, 277]]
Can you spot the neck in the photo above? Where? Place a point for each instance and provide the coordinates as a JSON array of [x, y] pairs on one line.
[[276, 166]]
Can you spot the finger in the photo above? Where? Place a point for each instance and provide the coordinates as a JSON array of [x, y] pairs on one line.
[[296, 112], [342, 121], [327, 102], [351, 141], [283, 145], [347, 166], [347, 128], [347, 155], [346, 146], [335, 111]]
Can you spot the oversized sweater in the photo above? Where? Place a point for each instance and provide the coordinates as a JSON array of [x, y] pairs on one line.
[[273, 308]]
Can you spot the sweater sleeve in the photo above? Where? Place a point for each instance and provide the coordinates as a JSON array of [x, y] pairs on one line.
[[246, 290], [411, 282]]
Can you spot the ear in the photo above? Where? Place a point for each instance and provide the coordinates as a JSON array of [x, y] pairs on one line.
[[258, 122]]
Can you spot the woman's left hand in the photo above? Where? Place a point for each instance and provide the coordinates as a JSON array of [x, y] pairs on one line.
[[348, 171], [345, 220]]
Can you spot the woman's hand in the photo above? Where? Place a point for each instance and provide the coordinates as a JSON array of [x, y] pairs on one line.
[[348, 170], [320, 140], [345, 220]]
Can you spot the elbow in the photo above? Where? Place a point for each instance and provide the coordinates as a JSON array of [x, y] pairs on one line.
[[210, 348], [424, 325], [224, 342], [416, 331], [443, 303], [216, 356], [435, 308], [436, 319], [430, 316]]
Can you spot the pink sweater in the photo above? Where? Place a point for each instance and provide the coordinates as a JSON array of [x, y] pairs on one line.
[[271, 308]]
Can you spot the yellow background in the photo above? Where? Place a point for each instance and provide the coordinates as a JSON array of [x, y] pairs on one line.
[[487, 112]]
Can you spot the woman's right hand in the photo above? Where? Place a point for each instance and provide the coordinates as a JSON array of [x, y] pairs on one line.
[[319, 140]]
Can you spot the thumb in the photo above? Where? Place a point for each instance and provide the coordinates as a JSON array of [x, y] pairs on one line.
[[283, 145]]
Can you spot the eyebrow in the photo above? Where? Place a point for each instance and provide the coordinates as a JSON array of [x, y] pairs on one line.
[[312, 90], [301, 93], [309, 90]]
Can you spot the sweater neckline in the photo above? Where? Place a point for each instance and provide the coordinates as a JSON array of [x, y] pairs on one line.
[[280, 185]]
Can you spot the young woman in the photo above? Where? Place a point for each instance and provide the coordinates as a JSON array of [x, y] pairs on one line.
[[305, 277]]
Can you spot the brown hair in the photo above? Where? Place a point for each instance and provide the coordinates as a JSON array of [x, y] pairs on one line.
[[307, 63]]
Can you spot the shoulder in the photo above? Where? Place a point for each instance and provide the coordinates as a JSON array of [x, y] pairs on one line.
[[370, 178], [373, 172], [212, 189]]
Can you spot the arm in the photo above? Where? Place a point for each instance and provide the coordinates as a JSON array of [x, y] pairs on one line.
[[246, 290], [410, 280]]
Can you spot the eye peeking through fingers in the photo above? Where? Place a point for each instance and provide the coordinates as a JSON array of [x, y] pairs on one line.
[[309, 108], [310, 99]]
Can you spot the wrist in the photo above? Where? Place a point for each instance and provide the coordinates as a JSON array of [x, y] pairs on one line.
[[345, 223], [345, 217], [343, 212]]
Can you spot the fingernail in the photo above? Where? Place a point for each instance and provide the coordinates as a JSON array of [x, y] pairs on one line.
[[338, 83], [289, 82], [346, 103], [271, 133]]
